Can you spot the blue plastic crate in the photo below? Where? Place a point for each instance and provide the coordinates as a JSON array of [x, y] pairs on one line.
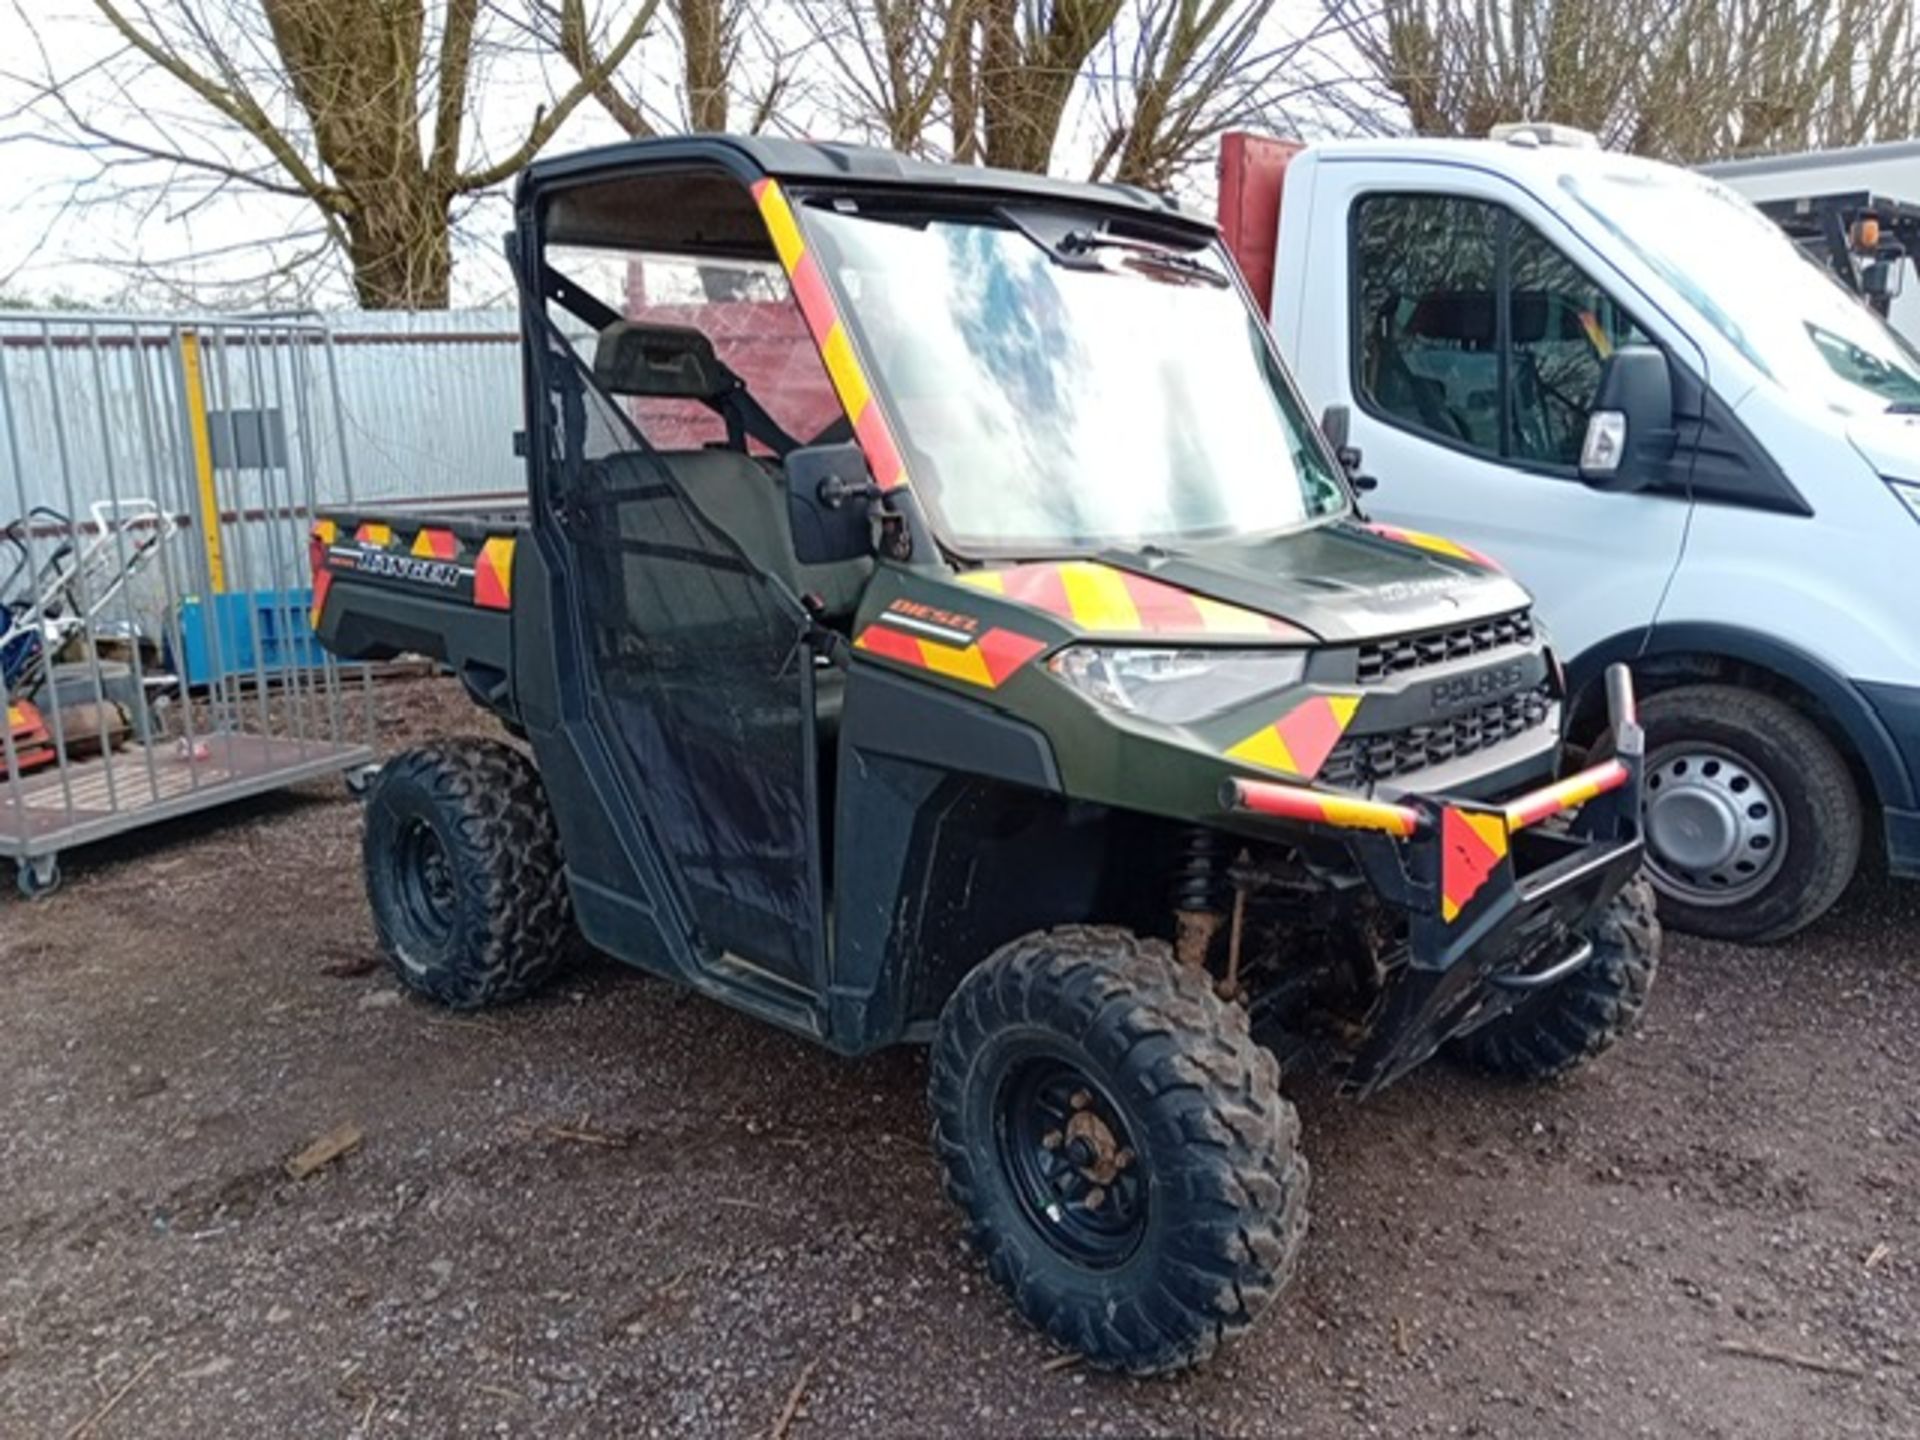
[[278, 636]]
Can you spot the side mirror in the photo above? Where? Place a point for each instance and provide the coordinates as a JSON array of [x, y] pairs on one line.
[[1630, 432], [829, 493], [1336, 423]]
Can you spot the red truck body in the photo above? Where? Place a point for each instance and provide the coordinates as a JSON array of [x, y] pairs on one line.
[[1253, 168]]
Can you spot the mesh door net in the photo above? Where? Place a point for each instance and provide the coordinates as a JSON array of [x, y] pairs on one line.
[[699, 666]]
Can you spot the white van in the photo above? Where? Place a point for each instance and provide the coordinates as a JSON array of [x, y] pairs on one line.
[[1699, 452], [1809, 191]]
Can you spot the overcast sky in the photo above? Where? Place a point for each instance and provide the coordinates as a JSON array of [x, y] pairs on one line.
[[71, 229]]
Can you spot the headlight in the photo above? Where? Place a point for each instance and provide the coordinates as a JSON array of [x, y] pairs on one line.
[[1909, 493], [1175, 687]]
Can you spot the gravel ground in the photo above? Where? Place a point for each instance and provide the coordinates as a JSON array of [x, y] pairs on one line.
[[619, 1209]]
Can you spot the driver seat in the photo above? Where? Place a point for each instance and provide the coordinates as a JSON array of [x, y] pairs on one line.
[[741, 495]]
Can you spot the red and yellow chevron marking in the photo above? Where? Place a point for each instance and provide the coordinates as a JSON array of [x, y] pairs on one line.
[[1437, 544], [493, 574], [1568, 794], [1099, 597], [1472, 845], [987, 661], [1291, 802], [436, 544], [325, 532], [492, 566], [1300, 740], [830, 335], [32, 746]]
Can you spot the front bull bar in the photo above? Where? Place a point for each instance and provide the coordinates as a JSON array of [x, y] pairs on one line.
[[1492, 893]]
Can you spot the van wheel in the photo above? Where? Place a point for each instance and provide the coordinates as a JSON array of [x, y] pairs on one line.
[[1753, 823], [1559, 1029], [464, 873], [1119, 1145]]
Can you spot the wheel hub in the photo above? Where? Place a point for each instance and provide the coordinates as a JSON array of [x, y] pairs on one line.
[[1091, 1147], [1715, 829], [426, 885], [1065, 1149], [1698, 828]]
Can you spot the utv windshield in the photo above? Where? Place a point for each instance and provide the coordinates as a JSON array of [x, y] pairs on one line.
[[1071, 393], [1785, 313]]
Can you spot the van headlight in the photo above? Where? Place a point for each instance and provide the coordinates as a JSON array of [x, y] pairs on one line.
[[1175, 687], [1909, 494]]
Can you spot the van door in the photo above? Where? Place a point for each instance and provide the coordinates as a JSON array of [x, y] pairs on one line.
[[1470, 346]]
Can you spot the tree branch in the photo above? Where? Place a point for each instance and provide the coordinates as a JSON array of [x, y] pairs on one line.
[[450, 93], [234, 103], [551, 119]]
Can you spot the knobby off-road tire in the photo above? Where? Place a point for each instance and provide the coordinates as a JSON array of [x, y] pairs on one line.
[[1192, 1239], [464, 873], [1561, 1028], [1780, 759]]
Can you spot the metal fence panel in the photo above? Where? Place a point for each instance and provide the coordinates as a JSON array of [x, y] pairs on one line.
[[431, 402], [155, 648]]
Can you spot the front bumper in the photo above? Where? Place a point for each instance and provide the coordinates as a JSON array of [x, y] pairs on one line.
[[1497, 905]]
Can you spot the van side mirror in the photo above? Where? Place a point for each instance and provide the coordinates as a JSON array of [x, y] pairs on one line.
[[1336, 423], [1630, 433], [829, 503]]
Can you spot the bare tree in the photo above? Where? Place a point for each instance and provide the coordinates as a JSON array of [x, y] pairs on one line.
[[1460, 66], [361, 109], [1692, 80], [710, 43], [1182, 71], [1028, 60], [358, 125], [1146, 84], [719, 83], [1781, 75], [889, 65]]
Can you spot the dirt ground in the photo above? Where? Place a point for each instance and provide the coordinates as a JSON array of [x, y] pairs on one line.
[[622, 1210]]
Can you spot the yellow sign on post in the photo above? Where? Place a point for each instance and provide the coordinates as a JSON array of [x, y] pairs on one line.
[[196, 395]]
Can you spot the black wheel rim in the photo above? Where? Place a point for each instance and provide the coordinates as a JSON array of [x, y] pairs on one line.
[[424, 879], [1070, 1158]]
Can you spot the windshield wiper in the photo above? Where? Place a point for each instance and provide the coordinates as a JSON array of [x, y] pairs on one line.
[[1142, 253], [1078, 248]]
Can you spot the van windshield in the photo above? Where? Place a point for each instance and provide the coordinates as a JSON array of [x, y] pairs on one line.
[[1786, 314], [1054, 402]]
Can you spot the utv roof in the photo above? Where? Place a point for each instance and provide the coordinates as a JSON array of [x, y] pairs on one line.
[[752, 157]]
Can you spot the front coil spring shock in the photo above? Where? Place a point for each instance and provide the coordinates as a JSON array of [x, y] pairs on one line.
[[1201, 893]]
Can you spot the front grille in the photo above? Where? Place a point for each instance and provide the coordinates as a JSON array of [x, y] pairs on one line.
[[1385, 658], [1360, 760]]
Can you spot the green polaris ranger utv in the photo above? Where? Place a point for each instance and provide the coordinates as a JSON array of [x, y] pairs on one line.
[[935, 620]]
